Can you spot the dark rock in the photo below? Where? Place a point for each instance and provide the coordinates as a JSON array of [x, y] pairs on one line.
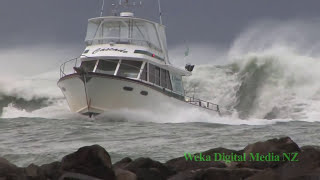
[[226, 174], [269, 147], [146, 167], [125, 175], [186, 175], [122, 163], [34, 172], [51, 170], [181, 164], [150, 173], [89, 160], [307, 167], [10, 171], [216, 174], [307, 148]]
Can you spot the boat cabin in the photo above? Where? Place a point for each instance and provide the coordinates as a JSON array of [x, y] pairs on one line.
[[131, 48]]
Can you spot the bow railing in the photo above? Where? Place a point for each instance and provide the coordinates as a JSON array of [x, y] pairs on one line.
[[73, 62]]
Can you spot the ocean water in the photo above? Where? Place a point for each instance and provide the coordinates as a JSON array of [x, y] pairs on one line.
[[267, 83]]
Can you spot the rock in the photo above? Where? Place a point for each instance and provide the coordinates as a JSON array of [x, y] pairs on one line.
[[34, 172], [181, 164], [308, 167], [10, 171], [51, 170], [150, 173], [122, 163], [89, 160], [125, 175], [186, 175], [146, 167], [271, 147], [226, 174]]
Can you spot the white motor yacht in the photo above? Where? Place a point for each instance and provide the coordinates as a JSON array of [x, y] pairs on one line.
[[125, 65]]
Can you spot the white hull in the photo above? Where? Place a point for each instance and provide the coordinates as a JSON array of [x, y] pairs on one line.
[[108, 93]]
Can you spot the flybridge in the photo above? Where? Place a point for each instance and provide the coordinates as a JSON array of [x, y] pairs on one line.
[[115, 30]]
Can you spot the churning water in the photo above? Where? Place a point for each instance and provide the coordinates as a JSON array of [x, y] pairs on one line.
[[267, 83]]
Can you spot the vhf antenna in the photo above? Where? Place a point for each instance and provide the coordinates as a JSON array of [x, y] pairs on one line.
[[160, 12], [102, 8]]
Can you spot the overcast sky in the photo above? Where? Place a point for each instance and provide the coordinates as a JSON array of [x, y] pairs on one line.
[[201, 21]]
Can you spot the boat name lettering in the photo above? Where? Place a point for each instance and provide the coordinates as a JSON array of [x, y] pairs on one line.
[[109, 49]]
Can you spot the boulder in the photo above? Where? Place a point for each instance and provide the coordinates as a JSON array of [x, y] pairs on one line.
[[146, 167], [51, 170], [307, 167], [181, 164], [122, 163], [125, 175], [93, 161], [34, 172], [186, 175], [226, 173], [10, 171], [270, 147], [150, 173]]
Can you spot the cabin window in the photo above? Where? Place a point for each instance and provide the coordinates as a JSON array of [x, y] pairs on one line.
[[144, 74], [177, 83], [157, 76], [169, 85], [130, 69], [88, 65], [163, 78], [152, 69], [107, 66]]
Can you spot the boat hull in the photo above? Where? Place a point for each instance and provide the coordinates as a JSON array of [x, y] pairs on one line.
[[96, 93]]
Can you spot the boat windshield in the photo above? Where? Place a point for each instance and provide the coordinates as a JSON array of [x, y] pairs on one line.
[[107, 66], [127, 68], [130, 69], [123, 31], [88, 66]]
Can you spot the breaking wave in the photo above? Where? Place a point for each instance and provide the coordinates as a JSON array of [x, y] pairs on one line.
[[272, 73]]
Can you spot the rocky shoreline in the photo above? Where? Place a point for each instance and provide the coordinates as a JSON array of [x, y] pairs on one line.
[[272, 159]]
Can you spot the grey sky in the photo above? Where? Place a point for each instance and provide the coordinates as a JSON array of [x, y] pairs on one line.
[[25, 22]]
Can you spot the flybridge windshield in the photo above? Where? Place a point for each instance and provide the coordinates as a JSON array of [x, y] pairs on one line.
[[124, 31]]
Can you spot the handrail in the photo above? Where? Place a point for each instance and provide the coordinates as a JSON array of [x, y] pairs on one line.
[[191, 100], [63, 65]]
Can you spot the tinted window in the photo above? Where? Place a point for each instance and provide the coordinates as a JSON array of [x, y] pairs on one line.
[[88, 65], [107, 66], [129, 68], [163, 78], [169, 85], [152, 73], [144, 74], [157, 75]]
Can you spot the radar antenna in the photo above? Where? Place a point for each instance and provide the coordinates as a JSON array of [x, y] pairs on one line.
[[124, 6]]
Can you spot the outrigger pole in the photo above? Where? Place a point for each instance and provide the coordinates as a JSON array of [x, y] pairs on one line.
[[160, 12], [102, 8]]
